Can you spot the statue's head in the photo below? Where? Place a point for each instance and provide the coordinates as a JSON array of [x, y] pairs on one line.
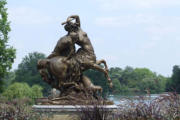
[[71, 27]]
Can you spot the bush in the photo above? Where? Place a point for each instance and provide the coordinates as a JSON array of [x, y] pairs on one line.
[[165, 107], [96, 111], [36, 91], [22, 90], [17, 109]]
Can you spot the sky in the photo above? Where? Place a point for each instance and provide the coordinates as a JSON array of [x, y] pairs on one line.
[[137, 33]]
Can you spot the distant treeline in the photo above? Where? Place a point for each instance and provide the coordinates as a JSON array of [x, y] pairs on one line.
[[137, 80], [130, 80], [125, 81]]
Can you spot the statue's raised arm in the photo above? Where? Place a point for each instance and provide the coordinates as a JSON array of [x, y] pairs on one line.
[[72, 17], [76, 17]]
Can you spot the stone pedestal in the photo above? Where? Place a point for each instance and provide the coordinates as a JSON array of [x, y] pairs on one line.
[[67, 112]]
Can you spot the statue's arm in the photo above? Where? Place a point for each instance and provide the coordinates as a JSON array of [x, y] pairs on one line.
[[59, 47], [75, 17], [72, 51]]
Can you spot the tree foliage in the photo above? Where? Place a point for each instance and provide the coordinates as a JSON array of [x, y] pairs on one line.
[[27, 71], [7, 53], [36, 91], [22, 90], [173, 83], [8, 79], [140, 80], [129, 80]]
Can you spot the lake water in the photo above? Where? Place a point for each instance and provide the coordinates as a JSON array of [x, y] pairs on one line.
[[121, 99]]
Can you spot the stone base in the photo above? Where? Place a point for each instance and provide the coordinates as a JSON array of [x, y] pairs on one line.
[[65, 117], [72, 100], [69, 108], [67, 112]]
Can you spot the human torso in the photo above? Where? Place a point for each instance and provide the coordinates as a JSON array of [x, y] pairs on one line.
[[84, 41], [64, 46], [86, 52]]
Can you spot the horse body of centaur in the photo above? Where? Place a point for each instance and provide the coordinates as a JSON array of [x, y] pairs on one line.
[[61, 74]]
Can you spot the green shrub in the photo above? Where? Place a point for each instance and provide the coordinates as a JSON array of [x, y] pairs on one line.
[[36, 91], [22, 90]]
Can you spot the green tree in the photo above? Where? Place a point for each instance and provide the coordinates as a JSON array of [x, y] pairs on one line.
[[17, 90], [8, 79], [27, 71], [142, 73], [119, 88], [118, 84], [22, 90], [36, 91], [169, 85], [127, 76], [115, 72], [162, 83], [173, 83], [7, 53], [140, 80]]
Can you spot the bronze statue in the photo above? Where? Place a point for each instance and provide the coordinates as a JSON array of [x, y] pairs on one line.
[[63, 69]]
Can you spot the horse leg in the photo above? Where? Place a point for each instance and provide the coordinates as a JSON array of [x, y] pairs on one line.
[[97, 67], [88, 84], [106, 68], [104, 62], [71, 84]]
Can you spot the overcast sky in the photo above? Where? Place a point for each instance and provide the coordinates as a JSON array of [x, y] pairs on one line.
[[137, 33]]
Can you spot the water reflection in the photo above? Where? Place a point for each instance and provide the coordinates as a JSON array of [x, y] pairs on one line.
[[124, 99]]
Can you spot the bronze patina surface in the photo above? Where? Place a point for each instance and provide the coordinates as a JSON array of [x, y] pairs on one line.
[[63, 68]]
